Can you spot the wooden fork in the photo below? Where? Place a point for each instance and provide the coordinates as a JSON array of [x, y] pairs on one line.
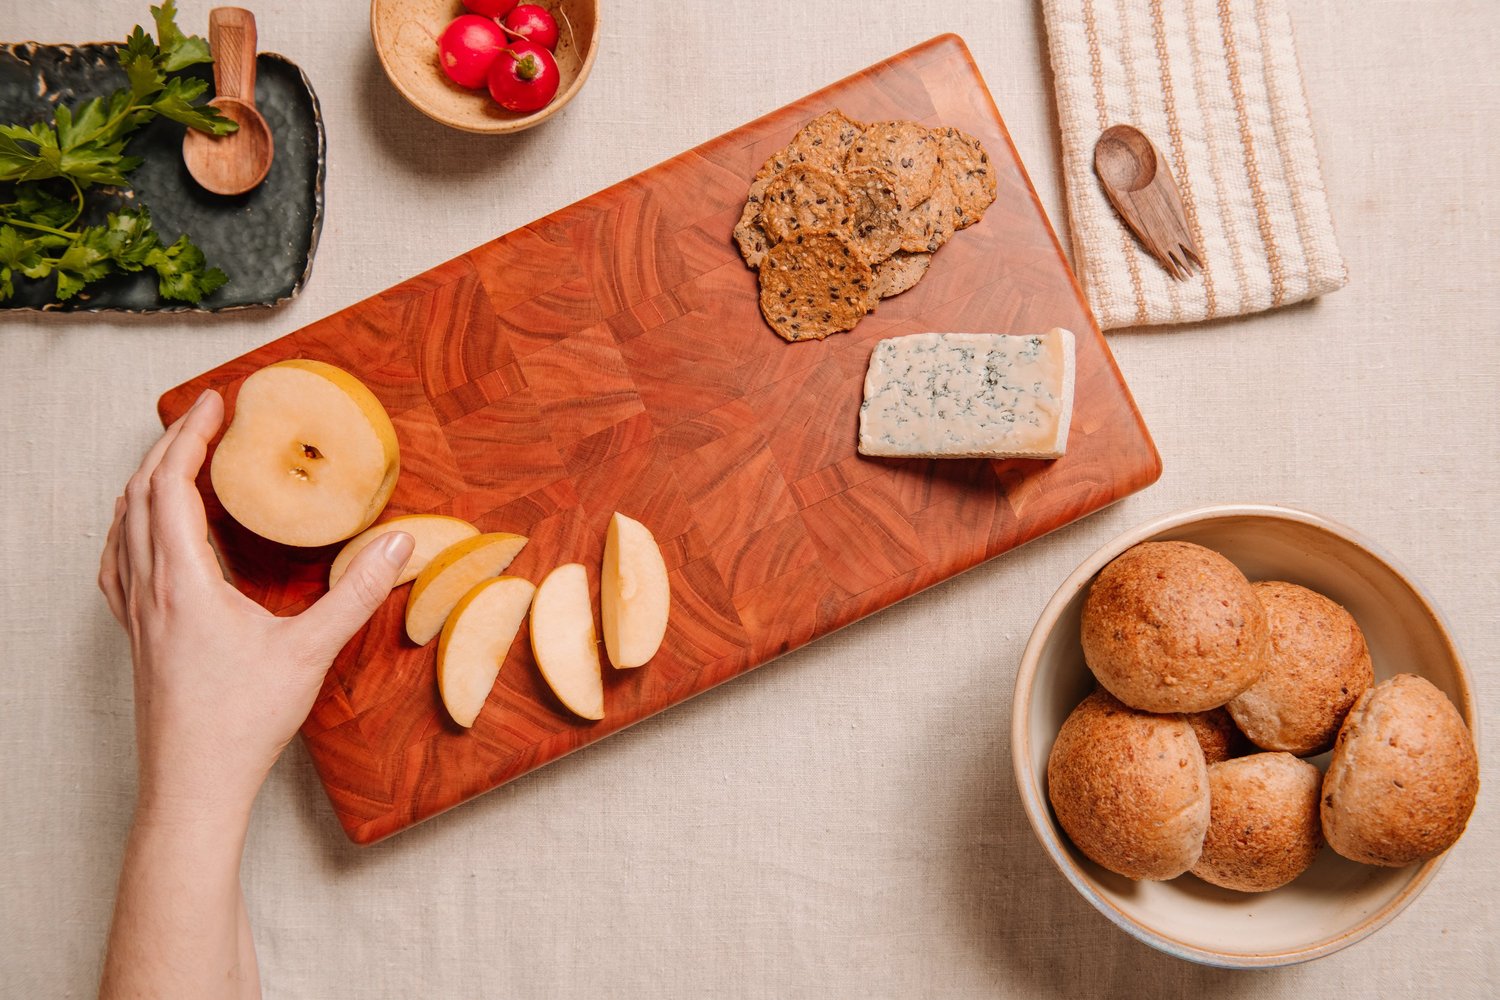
[[1140, 186]]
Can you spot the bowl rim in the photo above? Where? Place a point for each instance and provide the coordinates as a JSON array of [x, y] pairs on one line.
[[1033, 798], [498, 127]]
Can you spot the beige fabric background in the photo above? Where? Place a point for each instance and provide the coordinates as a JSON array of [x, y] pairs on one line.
[[844, 822]]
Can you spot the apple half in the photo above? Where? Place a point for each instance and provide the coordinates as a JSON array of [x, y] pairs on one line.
[[475, 641], [310, 457], [432, 533], [564, 643], [634, 595], [450, 575]]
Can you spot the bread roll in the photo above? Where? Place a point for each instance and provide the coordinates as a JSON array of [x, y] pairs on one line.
[[1403, 777], [1217, 734], [1263, 829], [1173, 627], [1130, 788], [1317, 664]]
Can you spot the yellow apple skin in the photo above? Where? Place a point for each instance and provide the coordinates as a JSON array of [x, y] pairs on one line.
[[564, 642], [450, 575], [310, 457], [475, 641], [432, 533], [634, 594]]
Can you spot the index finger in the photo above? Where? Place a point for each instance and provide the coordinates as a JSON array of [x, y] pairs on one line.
[[178, 522]]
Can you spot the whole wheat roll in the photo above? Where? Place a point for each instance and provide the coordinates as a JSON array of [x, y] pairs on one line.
[[1129, 788], [1173, 627], [1263, 828], [1317, 664], [1217, 734], [1403, 778]]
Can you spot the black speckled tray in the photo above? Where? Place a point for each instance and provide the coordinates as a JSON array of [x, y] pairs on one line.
[[264, 240]]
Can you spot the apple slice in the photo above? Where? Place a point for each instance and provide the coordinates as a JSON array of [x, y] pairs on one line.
[[450, 575], [475, 641], [634, 595], [432, 532], [563, 640], [310, 457]]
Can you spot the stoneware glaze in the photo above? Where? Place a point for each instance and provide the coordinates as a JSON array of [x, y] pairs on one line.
[[1336, 902]]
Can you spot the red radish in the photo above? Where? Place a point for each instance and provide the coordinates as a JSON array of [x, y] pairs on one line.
[[524, 78], [468, 47], [490, 8], [534, 24]]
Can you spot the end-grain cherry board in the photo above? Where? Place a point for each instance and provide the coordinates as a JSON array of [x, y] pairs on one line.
[[611, 356]]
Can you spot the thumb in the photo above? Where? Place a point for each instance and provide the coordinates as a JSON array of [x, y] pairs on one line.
[[365, 585]]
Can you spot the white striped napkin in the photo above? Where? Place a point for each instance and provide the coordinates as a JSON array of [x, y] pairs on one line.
[[1216, 86]]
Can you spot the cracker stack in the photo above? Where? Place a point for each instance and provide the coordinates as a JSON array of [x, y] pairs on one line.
[[849, 214]]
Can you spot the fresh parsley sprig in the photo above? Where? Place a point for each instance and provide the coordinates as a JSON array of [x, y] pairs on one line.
[[84, 146]]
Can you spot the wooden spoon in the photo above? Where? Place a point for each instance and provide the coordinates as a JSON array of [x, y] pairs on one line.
[[1139, 184], [237, 162]]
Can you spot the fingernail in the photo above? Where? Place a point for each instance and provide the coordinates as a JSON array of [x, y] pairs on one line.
[[395, 548], [202, 396]]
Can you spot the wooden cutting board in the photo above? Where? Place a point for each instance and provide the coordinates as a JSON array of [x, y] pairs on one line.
[[611, 356]]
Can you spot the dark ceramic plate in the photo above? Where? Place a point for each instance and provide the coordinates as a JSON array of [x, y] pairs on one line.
[[263, 240]]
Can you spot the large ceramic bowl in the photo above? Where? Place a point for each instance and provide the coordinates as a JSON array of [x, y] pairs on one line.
[[405, 33], [1336, 902]]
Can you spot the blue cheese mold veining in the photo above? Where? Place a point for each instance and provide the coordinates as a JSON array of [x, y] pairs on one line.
[[969, 395]]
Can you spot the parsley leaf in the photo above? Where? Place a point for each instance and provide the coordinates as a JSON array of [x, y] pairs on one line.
[[96, 164], [180, 51], [80, 264], [142, 63], [20, 164], [183, 273], [35, 203], [173, 102], [16, 254], [128, 239], [90, 118]]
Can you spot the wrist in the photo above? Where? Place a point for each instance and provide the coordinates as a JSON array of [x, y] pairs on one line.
[[191, 852], [158, 806], [182, 782]]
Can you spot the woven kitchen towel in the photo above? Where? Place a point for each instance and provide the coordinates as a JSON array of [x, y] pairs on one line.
[[1215, 85]]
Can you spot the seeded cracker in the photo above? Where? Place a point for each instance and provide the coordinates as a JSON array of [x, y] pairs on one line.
[[822, 142], [906, 149], [969, 172], [814, 285], [879, 215], [748, 232], [846, 215], [930, 224], [804, 199], [901, 271]]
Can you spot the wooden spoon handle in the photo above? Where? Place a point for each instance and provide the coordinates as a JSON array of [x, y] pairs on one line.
[[231, 37]]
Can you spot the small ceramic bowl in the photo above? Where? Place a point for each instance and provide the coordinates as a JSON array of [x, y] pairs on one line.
[[1334, 903], [405, 34]]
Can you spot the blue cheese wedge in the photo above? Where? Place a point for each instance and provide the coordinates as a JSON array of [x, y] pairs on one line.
[[969, 395]]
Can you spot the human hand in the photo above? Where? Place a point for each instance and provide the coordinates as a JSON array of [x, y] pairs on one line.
[[221, 684]]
